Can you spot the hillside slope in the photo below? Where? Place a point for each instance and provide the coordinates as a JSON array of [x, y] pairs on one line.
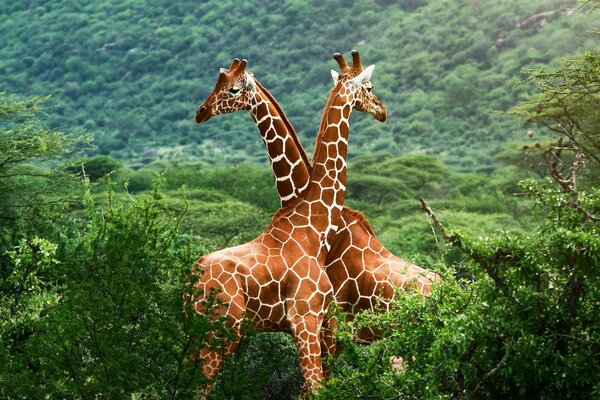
[[133, 72]]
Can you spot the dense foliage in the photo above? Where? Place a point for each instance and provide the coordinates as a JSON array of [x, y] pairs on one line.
[[521, 321], [90, 288], [133, 72], [93, 272], [95, 250]]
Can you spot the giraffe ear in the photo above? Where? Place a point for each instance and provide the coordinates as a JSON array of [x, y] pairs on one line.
[[365, 75], [249, 81], [335, 76], [223, 70]]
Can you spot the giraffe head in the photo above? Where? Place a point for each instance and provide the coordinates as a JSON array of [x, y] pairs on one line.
[[357, 80], [234, 91]]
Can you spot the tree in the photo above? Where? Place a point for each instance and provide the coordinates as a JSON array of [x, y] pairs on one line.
[[93, 289], [95, 167], [516, 316], [26, 144], [32, 194], [569, 104], [231, 221]]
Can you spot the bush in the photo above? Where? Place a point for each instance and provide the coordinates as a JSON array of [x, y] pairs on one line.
[[103, 316], [520, 322], [94, 167]]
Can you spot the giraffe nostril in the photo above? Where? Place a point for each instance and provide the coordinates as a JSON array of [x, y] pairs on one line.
[[203, 114]]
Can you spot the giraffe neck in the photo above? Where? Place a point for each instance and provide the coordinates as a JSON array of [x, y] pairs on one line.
[[289, 162], [327, 186]]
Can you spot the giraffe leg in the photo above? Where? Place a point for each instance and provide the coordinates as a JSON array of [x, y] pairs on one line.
[[220, 344], [305, 330], [329, 346], [212, 362]]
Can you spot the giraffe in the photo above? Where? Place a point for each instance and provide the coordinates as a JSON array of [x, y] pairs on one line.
[[277, 282], [236, 90], [364, 274]]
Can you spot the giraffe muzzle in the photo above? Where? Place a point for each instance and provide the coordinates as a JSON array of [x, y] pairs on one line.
[[203, 114], [380, 114]]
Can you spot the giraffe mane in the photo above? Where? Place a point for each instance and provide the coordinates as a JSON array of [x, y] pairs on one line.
[[288, 125], [284, 209], [360, 218]]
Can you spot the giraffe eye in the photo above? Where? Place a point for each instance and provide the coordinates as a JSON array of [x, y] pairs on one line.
[[369, 89], [234, 90]]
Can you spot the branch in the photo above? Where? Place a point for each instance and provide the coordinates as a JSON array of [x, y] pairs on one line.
[[487, 376], [578, 126], [569, 183], [578, 288], [456, 241], [452, 239]]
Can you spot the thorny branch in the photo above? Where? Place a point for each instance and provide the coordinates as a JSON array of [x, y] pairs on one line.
[[487, 376], [569, 182], [456, 241]]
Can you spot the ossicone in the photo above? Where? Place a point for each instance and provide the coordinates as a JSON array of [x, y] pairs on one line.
[[237, 67], [356, 64], [341, 61]]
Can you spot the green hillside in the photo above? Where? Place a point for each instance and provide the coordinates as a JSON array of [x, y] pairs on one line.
[[133, 72]]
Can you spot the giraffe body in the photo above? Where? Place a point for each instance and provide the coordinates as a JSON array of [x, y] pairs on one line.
[[278, 281], [293, 298], [365, 275]]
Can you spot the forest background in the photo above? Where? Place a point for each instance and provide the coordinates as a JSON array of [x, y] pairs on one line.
[[100, 225]]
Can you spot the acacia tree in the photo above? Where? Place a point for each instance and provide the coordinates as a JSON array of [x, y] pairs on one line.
[[29, 193], [27, 146], [569, 104]]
